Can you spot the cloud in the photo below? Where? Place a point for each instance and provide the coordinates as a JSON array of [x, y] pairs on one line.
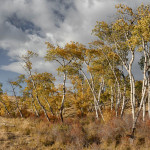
[[14, 67], [28, 24]]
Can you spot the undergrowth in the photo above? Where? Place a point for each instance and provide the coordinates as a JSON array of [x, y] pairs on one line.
[[74, 134]]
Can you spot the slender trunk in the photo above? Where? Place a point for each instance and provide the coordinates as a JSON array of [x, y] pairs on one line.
[[132, 81], [16, 101], [143, 99], [99, 93], [50, 108], [143, 94], [144, 79], [115, 95], [132, 86], [96, 109], [37, 98], [63, 98], [124, 100], [144, 109], [101, 88], [36, 111], [118, 100], [138, 113], [96, 105], [43, 108]]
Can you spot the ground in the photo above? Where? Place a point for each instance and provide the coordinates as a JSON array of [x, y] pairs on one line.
[[74, 134]]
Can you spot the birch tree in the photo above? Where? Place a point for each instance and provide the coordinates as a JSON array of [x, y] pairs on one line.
[[14, 85], [93, 79], [117, 35], [64, 56], [28, 67]]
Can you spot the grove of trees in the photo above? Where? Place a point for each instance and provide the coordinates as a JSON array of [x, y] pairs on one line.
[[101, 74]]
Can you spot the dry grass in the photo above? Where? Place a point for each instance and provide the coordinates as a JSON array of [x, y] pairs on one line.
[[75, 134]]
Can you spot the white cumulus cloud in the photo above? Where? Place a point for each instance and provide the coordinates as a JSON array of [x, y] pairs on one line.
[[28, 24]]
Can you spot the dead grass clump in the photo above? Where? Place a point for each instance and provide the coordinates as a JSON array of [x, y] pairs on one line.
[[94, 146], [3, 135], [113, 131], [10, 136], [77, 135], [47, 141], [143, 129], [27, 131], [140, 141], [92, 133], [62, 135]]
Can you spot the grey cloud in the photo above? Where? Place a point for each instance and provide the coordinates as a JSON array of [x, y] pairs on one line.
[[24, 25]]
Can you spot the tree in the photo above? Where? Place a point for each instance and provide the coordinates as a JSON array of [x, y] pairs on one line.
[[104, 61], [126, 35], [64, 57], [81, 99], [84, 65], [28, 67], [44, 87], [14, 85]]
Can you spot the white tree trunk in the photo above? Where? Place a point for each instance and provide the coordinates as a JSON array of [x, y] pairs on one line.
[[100, 89], [138, 112], [124, 101], [145, 82], [118, 100], [36, 111], [148, 79], [50, 108], [96, 105], [16, 101], [132, 86], [63, 98], [132, 81]]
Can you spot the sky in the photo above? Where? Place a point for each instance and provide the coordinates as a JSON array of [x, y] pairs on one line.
[[28, 24]]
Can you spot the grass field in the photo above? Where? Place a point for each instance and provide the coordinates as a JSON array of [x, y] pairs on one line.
[[74, 134]]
